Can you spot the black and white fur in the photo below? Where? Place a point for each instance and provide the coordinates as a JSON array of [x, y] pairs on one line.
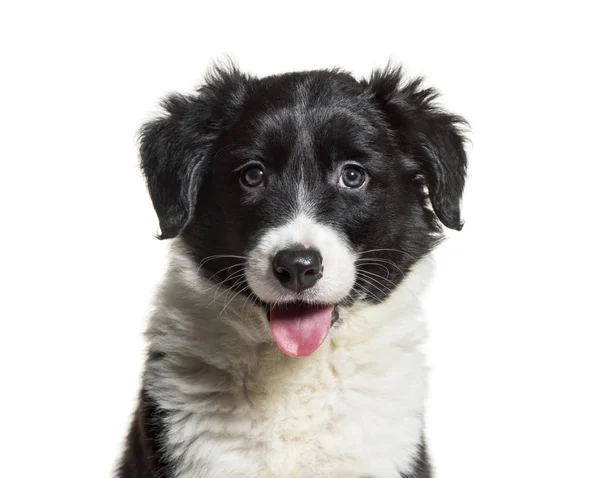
[[219, 399]]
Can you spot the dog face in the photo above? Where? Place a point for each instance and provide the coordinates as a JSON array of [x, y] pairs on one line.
[[305, 190]]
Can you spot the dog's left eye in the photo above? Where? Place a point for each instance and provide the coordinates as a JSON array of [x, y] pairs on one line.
[[352, 177], [253, 176]]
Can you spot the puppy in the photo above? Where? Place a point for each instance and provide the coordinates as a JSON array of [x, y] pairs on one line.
[[285, 337]]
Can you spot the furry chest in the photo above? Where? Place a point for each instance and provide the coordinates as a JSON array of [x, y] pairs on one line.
[[330, 417]]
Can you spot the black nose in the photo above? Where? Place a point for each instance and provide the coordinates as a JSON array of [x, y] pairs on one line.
[[298, 269]]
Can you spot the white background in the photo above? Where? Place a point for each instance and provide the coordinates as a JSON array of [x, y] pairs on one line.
[[514, 314]]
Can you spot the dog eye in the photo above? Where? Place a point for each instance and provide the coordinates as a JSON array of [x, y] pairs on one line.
[[253, 176], [352, 177]]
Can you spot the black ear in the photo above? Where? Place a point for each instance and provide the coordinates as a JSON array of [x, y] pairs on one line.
[[177, 147], [433, 137]]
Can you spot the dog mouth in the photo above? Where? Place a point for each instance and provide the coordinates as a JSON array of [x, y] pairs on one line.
[[299, 328]]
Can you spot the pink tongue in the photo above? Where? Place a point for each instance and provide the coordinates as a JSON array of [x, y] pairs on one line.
[[299, 329]]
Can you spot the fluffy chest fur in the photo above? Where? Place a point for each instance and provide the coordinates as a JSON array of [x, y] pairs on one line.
[[236, 406]]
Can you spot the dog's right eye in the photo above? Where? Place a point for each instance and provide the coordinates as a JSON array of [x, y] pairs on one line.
[[253, 176], [352, 177]]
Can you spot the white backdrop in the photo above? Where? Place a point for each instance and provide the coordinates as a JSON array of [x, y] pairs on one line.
[[513, 312]]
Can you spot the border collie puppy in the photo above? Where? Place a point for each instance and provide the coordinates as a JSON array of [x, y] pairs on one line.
[[285, 337]]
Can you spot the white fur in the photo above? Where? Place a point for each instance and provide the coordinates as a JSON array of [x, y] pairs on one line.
[[240, 408], [338, 262]]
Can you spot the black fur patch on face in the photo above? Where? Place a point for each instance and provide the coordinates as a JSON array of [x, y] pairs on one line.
[[302, 129]]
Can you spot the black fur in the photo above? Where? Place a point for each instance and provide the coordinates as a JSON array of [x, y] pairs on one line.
[[144, 456], [422, 466], [305, 123]]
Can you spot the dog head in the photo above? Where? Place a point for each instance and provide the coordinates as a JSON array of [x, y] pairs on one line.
[[305, 190]]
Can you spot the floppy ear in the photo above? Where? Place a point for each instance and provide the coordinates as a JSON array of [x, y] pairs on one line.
[[433, 138], [176, 148]]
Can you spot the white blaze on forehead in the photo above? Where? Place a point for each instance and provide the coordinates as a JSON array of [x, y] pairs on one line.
[[305, 204], [304, 231]]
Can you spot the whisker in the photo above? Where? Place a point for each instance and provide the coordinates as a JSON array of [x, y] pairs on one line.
[[230, 300], [368, 281], [366, 291], [220, 256], [230, 276], [249, 304], [379, 259], [382, 250], [376, 265], [372, 274], [232, 289], [227, 268], [239, 277]]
